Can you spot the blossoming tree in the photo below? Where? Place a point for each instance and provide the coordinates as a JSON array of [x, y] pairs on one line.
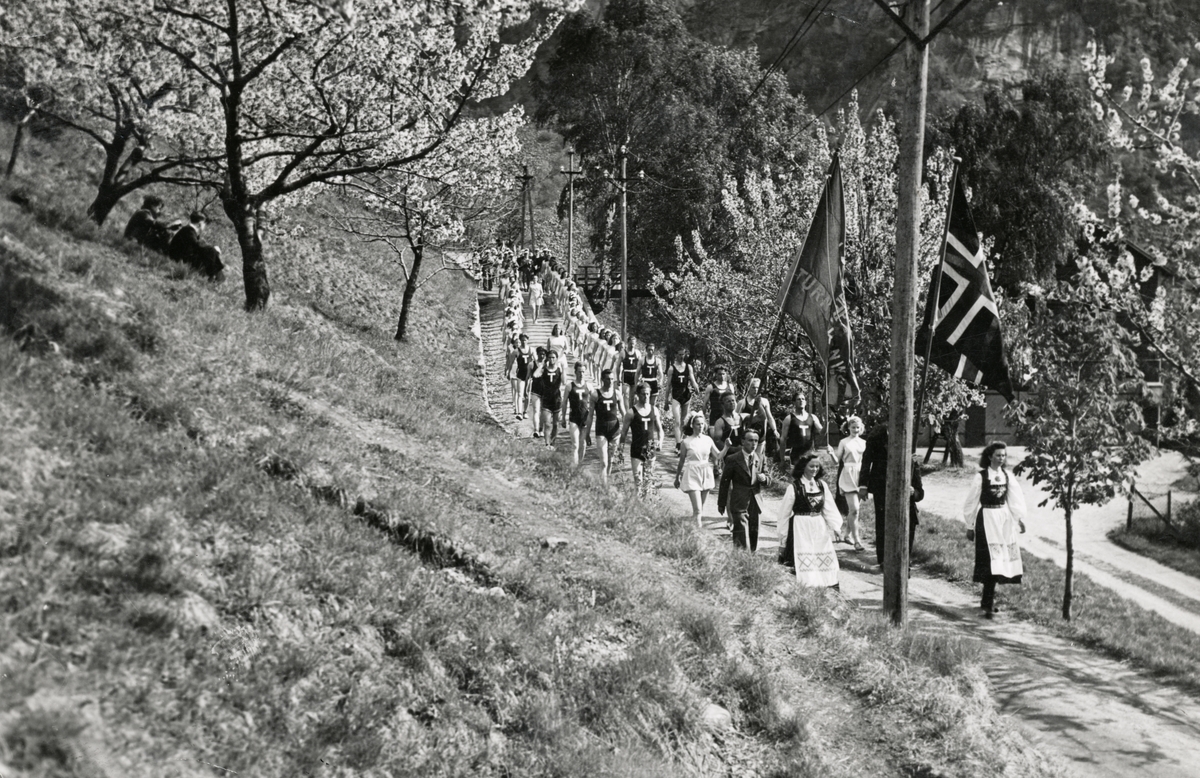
[[1146, 118], [270, 99], [728, 294]]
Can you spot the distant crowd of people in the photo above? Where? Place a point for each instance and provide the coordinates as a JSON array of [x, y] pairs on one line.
[[180, 240], [616, 391]]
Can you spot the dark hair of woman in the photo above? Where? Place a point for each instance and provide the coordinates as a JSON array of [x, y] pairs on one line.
[[798, 471], [985, 459]]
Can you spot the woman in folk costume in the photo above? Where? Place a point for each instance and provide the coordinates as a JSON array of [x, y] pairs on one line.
[[808, 519], [995, 507]]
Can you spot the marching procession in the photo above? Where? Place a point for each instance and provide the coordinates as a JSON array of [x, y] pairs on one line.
[[626, 401]]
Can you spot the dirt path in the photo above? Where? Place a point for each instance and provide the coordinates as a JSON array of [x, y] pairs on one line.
[[1099, 716], [1173, 595]]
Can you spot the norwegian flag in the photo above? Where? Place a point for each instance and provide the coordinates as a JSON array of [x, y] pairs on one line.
[[967, 342]]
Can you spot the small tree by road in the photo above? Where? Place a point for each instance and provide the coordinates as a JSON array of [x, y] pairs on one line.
[[1081, 417]]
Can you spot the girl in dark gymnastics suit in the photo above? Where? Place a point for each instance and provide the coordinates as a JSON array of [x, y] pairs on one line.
[[683, 384], [651, 372], [610, 409], [552, 392], [536, 387], [579, 412], [642, 420], [995, 508], [720, 385], [631, 362], [519, 370]]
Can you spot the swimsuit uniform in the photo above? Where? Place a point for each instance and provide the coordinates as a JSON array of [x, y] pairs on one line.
[[650, 376], [523, 364], [629, 369], [681, 384], [552, 381], [640, 426], [800, 435], [538, 384], [577, 404], [757, 414], [608, 423], [715, 411]]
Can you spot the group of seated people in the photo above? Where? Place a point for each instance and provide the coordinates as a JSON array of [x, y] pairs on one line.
[[180, 241]]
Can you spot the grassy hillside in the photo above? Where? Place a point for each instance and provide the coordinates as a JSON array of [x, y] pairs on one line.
[[282, 544]]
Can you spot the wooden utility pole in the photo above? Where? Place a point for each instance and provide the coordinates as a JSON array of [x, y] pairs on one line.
[[624, 249], [622, 182], [526, 199], [570, 171], [904, 313]]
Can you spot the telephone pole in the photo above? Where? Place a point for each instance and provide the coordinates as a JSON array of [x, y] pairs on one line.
[[526, 180], [622, 181], [904, 310], [570, 171]]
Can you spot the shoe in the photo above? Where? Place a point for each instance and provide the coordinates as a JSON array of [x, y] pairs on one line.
[[997, 608], [537, 434], [859, 547]]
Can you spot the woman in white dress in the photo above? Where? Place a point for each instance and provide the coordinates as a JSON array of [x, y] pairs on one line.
[[537, 297], [849, 457], [995, 513], [557, 342], [808, 520], [696, 456]]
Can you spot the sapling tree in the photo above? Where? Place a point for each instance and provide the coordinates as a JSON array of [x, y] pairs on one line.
[[1082, 414], [430, 204]]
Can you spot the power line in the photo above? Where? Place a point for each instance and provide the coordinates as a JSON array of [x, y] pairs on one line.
[[873, 68], [806, 24]]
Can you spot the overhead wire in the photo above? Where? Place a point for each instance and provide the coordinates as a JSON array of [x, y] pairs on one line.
[[853, 86], [806, 24]]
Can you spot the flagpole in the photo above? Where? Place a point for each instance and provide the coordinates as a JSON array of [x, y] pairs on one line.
[[829, 349], [935, 296]]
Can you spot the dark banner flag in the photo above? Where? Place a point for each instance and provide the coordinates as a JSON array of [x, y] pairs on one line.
[[841, 351], [812, 289], [967, 341], [815, 278]]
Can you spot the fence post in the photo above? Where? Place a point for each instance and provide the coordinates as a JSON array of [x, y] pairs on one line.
[[1129, 515]]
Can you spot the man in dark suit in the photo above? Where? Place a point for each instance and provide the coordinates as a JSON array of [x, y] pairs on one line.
[[741, 480], [187, 247], [146, 229], [872, 477]]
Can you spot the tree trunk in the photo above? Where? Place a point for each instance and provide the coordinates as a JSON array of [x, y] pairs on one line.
[[254, 264], [410, 289], [18, 142], [109, 194], [1068, 578], [107, 197]]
